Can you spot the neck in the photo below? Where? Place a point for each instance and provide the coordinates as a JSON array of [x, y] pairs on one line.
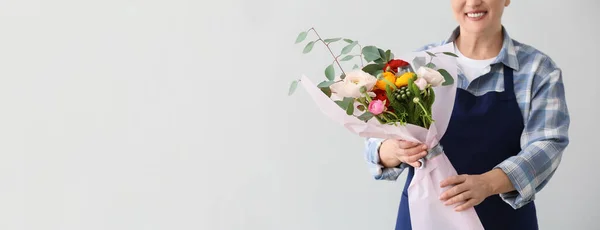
[[480, 46]]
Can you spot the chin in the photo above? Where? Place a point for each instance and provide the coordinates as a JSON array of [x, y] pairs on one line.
[[475, 28]]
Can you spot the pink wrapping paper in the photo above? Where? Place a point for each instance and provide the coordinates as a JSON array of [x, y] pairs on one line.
[[427, 211]]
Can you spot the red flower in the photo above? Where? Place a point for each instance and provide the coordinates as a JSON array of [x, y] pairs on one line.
[[382, 96], [395, 64]]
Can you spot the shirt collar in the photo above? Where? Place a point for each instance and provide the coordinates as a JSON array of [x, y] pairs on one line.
[[507, 55]]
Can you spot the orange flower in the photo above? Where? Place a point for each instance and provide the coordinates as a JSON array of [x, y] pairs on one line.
[[403, 80], [388, 76]]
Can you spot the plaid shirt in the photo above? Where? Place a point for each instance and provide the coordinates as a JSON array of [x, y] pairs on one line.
[[540, 94]]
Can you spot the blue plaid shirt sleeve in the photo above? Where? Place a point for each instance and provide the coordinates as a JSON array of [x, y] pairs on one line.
[[544, 137]]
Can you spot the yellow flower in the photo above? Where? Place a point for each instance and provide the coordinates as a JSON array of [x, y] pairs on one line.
[[388, 76], [403, 80]]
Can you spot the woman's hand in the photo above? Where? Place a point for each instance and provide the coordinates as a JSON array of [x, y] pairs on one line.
[[394, 152], [471, 190]]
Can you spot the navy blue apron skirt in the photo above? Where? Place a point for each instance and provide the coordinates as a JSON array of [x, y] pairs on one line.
[[483, 131]]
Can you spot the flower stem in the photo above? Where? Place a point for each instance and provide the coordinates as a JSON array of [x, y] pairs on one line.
[[329, 48], [393, 114], [368, 97], [361, 55], [384, 118], [426, 114]]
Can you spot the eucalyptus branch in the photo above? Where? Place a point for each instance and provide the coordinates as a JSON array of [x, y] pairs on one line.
[[361, 55], [329, 48]]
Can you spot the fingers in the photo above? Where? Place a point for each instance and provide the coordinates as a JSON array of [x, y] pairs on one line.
[[462, 197], [414, 151], [453, 180], [411, 148], [454, 192], [410, 152], [414, 158], [469, 204], [406, 144]]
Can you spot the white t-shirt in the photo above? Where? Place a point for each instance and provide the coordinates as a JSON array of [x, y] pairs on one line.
[[472, 68]]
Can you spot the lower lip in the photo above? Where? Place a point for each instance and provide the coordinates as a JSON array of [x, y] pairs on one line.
[[476, 19]]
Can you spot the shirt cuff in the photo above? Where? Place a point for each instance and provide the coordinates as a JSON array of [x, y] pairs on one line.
[[378, 171], [520, 174]]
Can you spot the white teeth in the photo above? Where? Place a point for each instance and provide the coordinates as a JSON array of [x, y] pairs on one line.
[[475, 15]]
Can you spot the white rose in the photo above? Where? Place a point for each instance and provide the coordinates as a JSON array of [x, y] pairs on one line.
[[421, 83], [432, 76], [350, 86]]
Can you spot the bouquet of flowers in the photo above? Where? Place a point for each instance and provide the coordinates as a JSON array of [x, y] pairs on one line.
[[384, 97]]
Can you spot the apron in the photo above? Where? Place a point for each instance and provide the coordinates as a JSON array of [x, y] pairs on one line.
[[483, 131]]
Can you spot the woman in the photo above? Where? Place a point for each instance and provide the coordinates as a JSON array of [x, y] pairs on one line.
[[507, 131]]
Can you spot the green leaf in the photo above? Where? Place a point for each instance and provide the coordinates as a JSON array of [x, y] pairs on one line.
[[383, 55], [309, 47], [430, 98], [349, 102], [380, 61], [355, 67], [325, 84], [301, 37], [344, 103], [348, 40], [341, 104], [347, 58], [414, 89], [450, 54], [350, 109], [293, 87], [349, 48], [372, 68], [388, 55], [430, 54], [330, 40], [415, 110], [430, 65], [365, 116], [449, 80], [371, 53], [394, 103], [326, 91], [330, 72]]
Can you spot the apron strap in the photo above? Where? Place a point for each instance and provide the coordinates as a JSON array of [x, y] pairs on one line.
[[509, 88]]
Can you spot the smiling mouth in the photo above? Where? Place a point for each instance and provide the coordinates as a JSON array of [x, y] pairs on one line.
[[476, 15]]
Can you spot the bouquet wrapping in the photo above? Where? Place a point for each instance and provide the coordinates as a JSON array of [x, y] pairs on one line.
[[388, 99]]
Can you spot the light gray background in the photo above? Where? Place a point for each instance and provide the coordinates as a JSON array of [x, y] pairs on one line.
[[147, 114]]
